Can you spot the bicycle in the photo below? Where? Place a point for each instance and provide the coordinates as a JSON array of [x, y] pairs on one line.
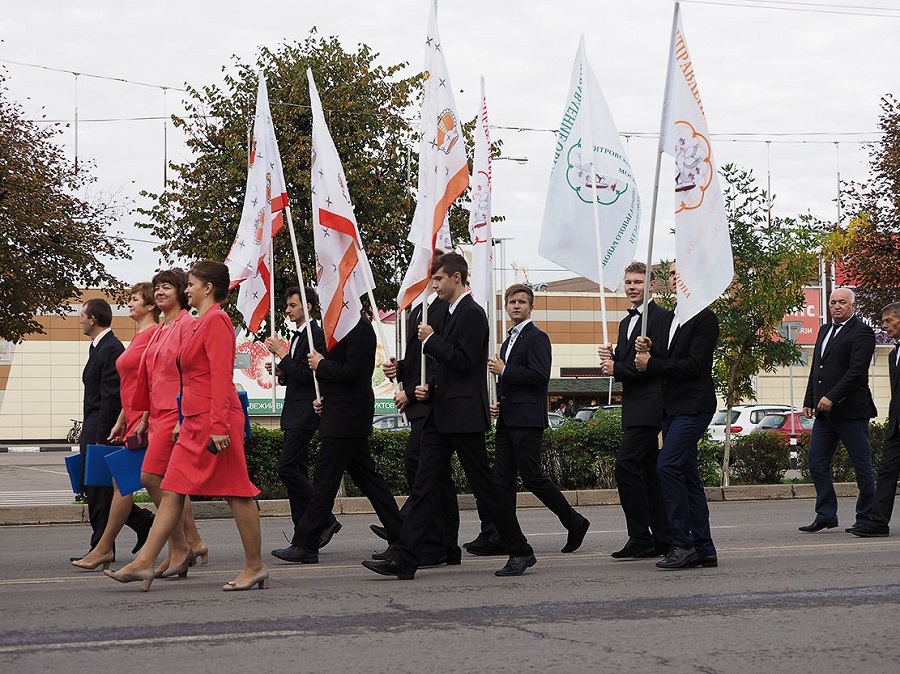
[[74, 436]]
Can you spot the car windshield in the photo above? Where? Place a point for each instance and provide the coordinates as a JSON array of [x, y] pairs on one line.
[[584, 414], [773, 421], [722, 415]]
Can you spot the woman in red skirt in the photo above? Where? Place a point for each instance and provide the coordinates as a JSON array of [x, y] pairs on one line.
[[208, 458]]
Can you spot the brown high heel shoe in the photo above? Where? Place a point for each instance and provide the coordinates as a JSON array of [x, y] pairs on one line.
[[182, 569], [261, 579], [146, 577], [105, 561]]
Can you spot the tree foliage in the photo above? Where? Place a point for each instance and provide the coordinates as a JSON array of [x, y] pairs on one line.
[[367, 107], [53, 232], [868, 248]]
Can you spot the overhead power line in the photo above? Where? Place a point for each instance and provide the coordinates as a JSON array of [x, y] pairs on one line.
[[74, 73], [816, 8]]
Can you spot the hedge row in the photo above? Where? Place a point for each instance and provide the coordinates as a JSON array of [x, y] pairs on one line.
[[574, 456]]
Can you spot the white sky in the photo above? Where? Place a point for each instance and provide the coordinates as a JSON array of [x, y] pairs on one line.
[[760, 71]]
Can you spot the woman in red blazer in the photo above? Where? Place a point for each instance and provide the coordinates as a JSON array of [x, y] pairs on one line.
[[208, 457], [156, 392]]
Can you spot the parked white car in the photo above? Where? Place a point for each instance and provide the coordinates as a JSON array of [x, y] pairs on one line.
[[744, 419]]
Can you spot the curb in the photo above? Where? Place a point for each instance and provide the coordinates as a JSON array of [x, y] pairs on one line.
[[358, 505], [33, 449]]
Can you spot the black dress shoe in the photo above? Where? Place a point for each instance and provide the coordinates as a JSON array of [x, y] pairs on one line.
[[142, 535], [379, 531], [478, 541], [817, 526], [381, 556], [328, 533], [679, 558], [706, 561], [297, 555], [516, 566], [576, 536], [869, 530], [635, 549], [487, 549], [390, 568]]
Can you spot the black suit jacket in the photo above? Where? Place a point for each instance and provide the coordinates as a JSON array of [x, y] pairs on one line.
[[102, 403], [459, 400], [294, 373], [893, 427], [409, 369], [842, 373], [685, 366], [522, 388], [345, 381], [641, 391]]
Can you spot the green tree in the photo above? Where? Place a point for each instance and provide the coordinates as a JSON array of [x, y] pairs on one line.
[[773, 259], [53, 231], [368, 109], [868, 248]]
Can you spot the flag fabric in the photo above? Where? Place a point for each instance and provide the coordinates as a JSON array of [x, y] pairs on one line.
[[265, 199], [339, 263], [589, 154], [443, 169], [702, 240], [482, 269]]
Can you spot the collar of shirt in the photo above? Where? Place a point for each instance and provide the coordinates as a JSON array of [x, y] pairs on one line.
[[516, 329], [301, 327], [456, 303], [96, 340]]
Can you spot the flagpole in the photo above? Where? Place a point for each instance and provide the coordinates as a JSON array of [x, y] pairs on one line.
[[379, 328], [492, 327], [272, 317], [422, 361], [309, 335], [648, 277]]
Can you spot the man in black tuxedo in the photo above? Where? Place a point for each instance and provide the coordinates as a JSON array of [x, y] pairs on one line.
[[409, 372], [640, 493], [346, 405], [102, 405], [689, 402], [838, 394], [889, 470], [457, 423], [523, 371], [299, 420]]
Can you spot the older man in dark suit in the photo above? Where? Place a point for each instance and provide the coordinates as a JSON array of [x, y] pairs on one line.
[[457, 423], [889, 470], [838, 394], [640, 493], [347, 404], [299, 420], [102, 405], [523, 372], [689, 402]]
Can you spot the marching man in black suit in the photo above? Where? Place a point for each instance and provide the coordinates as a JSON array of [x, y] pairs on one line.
[[346, 406], [640, 493], [889, 470], [299, 420], [523, 371], [102, 405], [689, 402], [457, 423], [838, 395]]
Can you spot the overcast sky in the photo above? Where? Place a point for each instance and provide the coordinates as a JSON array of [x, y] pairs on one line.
[[763, 74]]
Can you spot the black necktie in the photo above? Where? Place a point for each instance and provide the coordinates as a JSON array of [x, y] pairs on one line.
[[634, 312], [505, 349], [91, 350]]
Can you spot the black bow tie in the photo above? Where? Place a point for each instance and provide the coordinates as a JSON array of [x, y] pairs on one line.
[[634, 312]]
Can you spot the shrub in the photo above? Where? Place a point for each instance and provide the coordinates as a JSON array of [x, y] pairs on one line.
[[760, 458], [841, 468]]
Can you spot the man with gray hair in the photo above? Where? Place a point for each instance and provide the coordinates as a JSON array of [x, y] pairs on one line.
[[838, 395], [889, 470]]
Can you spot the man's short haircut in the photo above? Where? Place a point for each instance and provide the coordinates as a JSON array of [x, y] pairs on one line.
[[636, 268], [312, 297], [99, 310], [519, 288], [892, 308], [451, 263]]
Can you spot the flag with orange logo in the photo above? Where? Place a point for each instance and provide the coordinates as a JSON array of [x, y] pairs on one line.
[[481, 274]]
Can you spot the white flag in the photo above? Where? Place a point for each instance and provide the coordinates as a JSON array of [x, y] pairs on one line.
[[335, 234], [702, 241], [480, 214], [264, 202], [443, 170], [589, 153]]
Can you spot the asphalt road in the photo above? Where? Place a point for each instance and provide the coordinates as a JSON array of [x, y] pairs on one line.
[[34, 478], [780, 600]]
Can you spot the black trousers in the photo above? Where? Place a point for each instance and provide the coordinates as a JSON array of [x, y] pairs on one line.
[[440, 538], [336, 456], [434, 469], [99, 499], [518, 452], [638, 484], [886, 481], [293, 469]]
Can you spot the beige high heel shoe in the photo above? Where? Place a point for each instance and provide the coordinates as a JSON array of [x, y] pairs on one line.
[[105, 561], [202, 553], [261, 579], [146, 577], [182, 569]]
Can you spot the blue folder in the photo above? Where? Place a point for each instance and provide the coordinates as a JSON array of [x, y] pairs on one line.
[[125, 466], [96, 472], [73, 468], [245, 403]]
